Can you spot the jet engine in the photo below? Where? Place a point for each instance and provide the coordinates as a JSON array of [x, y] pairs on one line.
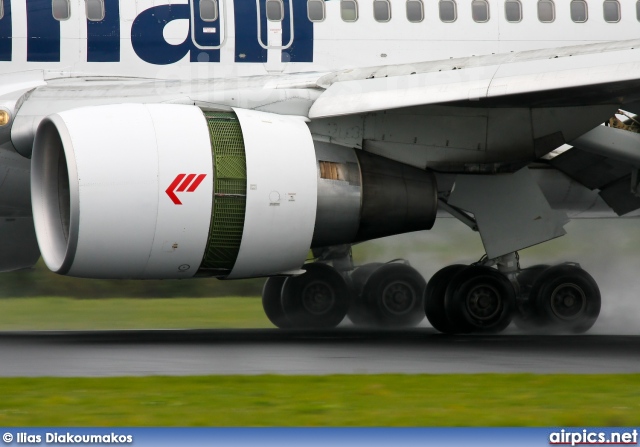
[[171, 191]]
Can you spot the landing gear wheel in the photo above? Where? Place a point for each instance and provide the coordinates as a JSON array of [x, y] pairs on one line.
[[434, 298], [272, 302], [318, 299], [525, 317], [358, 312], [394, 295], [567, 299], [479, 299]]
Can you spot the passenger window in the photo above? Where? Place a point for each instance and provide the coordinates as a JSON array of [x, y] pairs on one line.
[[1, 9], [448, 11], [382, 10], [209, 10], [638, 10], [611, 11], [95, 10], [349, 10], [480, 10], [315, 10], [61, 9], [513, 11], [546, 11], [579, 13], [415, 11], [275, 10]]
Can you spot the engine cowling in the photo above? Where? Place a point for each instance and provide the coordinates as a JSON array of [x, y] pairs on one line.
[[169, 191]]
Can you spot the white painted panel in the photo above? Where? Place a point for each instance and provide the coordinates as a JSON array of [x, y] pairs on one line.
[[127, 156], [118, 183], [282, 194], [184, 147]]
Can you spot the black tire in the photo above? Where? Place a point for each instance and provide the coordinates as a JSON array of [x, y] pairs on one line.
[[479, 299], [525, 316], [567, 299], [434, 298], [394, 295], [359, 313], [272, 302], [318, 299]]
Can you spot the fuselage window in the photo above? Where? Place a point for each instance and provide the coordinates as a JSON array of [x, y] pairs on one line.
[[275, 10], [1, 9], [513, 11], [611, 11], [448, 11], [480, 10], [315, 10], [546, 11], [415, 11], [579, 12], [61, 9], [209, 10], [638, 10], [349, 10], [95, 10], [382, 10]]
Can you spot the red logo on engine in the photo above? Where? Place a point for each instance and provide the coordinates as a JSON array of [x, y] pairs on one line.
[[184, 183]]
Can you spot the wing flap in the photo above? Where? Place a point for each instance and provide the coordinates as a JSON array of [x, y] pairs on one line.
[[485, 78]]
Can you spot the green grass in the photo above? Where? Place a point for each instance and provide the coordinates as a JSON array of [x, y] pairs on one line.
[[380, 400], [169, 313]]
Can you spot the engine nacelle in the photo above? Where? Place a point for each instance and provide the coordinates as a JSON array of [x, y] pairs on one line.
[[169, 191]]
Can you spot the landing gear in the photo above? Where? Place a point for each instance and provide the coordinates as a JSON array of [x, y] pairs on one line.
[[379, 295], [358, 312], [480, 299], [434, 298], [272, 302], [525, 317], [458, 299], [565, 298], [392, 296], [318, 299], [463, 299]]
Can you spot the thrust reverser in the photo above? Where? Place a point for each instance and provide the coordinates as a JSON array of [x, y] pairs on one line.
[[169, 191]]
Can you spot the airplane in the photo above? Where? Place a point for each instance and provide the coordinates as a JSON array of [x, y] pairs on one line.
[[177, 139]]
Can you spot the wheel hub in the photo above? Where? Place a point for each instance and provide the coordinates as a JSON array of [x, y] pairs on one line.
[[318, 297], [484, 302], [568, 301], [398, 298]]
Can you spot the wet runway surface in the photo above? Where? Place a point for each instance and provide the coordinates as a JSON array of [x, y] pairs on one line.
[[220, 352]]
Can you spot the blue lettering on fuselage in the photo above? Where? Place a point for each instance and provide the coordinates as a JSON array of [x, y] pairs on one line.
[[6, 32], [103, 37], [248, 48], [301, 50], [150, 45], [147, 34], [43, 32]]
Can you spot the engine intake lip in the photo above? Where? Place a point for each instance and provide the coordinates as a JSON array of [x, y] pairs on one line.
[[55, 194]]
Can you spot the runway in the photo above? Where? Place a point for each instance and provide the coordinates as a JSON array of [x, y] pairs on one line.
[[251, 352]]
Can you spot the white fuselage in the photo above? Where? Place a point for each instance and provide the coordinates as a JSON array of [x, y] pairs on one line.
[[165, 39]]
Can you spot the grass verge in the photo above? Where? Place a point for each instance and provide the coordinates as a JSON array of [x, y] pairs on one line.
[[128, 313], [376, 400]]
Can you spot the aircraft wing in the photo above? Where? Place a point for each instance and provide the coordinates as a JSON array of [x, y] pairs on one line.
[[576, 75]]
